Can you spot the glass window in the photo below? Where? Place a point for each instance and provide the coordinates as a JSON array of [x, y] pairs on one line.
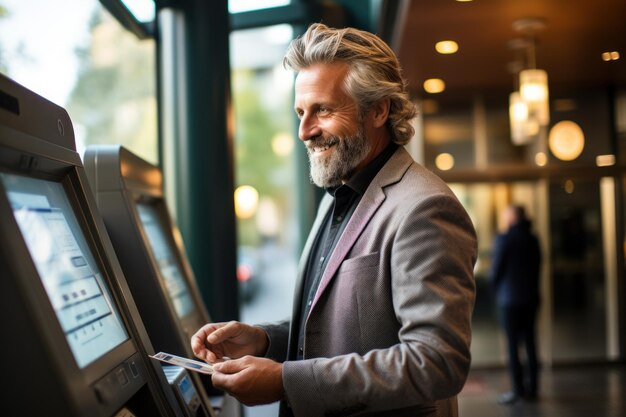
[[485, 203], [264, 172], [87, 63], [236, 6]]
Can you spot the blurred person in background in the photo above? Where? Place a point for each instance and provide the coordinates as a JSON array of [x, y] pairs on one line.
[[514, 279]]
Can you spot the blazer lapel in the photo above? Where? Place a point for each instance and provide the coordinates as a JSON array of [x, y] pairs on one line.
[[391, 172]]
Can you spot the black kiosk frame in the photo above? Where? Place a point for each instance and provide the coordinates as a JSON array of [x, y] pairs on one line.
[[73, 341], [130, 196]]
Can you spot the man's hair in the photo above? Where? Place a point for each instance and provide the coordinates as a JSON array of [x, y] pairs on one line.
[[519, 213], [374, 73]]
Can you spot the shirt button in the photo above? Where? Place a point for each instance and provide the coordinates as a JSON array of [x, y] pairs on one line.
[[339, 218], [310, 302], [322, 259], [301, 350]]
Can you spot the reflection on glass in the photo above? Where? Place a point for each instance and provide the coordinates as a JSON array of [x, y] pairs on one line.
[[236, 6], [265, 154], [165, 257], [66, 266], [102, 74]]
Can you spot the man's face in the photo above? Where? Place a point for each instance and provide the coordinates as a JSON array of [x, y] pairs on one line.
[[330, 126]]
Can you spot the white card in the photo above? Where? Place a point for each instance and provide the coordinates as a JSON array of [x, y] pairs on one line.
[[192, 365]]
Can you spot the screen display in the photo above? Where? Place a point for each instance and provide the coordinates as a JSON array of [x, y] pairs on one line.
[[67, 268], [187, 389], [171, 272]]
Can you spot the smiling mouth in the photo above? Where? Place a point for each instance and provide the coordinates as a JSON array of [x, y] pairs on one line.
[[321, 148]]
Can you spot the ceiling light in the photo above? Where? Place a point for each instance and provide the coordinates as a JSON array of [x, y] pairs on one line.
[[566, 140], [541, 159], [605, 160], [447, 47], [610, 56], [434, 85], [444, 161], [529, 108], [523, 128], [533, 88]]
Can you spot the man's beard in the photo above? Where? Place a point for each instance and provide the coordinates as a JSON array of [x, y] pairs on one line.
[[348, 153]]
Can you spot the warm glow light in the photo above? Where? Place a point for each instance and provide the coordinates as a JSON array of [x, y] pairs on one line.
[[605, 160], [282, 144], [534, 91], [523, 129], [434, 85], [246, 201], [541, 159], [568, 186], [518, 109], [446, 47], [610, 56], [444, 161], [566, 140]]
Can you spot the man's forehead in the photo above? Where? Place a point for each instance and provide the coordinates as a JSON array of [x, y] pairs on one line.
[[321, 79]]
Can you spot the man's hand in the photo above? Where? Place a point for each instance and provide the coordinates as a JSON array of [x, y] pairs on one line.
[[251, 380], [215, 341]]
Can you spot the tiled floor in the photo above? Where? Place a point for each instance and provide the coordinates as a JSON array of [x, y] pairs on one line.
[[582, 391]]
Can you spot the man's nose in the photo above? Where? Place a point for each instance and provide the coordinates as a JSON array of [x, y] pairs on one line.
[[308, 129]]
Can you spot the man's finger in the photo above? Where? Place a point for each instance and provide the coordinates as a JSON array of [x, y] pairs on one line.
[[229, 367], [223, 333]]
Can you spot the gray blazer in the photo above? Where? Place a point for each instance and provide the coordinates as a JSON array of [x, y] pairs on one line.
[[389, 330]]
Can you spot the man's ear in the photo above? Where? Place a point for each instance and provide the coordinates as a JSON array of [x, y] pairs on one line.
[[379, 112]]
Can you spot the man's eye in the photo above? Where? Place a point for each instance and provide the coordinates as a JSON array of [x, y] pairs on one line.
[[323, 110]]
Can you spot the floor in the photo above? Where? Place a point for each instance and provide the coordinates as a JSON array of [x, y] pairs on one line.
[[581, 391], [576, 391]]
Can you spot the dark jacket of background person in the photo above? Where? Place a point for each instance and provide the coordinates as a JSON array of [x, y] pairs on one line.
[[515, 280], [515, 269]]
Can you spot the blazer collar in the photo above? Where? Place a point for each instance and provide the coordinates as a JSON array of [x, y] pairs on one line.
[[389, 174]]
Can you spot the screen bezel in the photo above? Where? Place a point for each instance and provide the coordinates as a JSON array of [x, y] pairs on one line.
[[59, 169]]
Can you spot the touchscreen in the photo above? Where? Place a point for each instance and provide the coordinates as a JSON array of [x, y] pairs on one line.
[[66, 266], [164, 255]]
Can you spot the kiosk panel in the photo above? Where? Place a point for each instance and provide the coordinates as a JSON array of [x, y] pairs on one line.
[[66, 266]]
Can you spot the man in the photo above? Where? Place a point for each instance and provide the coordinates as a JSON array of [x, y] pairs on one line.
[[514, 277], [383, 301]]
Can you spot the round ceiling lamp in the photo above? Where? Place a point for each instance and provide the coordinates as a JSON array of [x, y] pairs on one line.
[[566, 140]]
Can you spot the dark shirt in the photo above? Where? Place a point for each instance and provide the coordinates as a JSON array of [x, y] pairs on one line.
[[346, 198]]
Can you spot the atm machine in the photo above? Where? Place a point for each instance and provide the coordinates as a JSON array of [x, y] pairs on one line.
[[73, 343], [129, 194]]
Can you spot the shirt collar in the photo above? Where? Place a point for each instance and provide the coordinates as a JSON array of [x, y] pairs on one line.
[[362, 179]]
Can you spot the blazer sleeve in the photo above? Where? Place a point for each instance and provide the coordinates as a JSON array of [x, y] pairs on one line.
[[278, 334], [432, 255]]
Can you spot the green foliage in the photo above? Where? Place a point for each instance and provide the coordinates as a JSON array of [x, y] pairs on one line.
[[256, 123], [114, 96]]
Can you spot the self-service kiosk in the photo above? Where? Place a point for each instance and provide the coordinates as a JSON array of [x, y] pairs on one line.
[[73, 343], [129, 194]]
